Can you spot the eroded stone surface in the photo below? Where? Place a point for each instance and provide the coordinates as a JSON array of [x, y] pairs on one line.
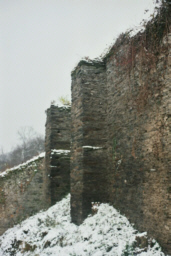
[[57, 147], [123, 106], [88, 161], [21, 194]]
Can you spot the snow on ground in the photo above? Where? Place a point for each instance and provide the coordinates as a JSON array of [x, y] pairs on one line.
[[52, 233], [20, 166]]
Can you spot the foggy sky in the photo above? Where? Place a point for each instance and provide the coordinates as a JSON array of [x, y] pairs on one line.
[[41, 41]]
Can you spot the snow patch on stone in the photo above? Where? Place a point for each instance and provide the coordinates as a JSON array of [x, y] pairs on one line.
[[20, 166], [92, 147], [59, 151]]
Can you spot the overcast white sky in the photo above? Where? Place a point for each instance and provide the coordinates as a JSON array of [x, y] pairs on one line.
[[41, 41]]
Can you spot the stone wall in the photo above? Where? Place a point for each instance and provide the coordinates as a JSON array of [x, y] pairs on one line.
[[42, 181], [88, 143], [21, 192], [121, 131], [139, 142], [57, 159]]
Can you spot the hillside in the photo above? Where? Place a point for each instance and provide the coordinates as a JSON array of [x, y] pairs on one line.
[[105, 232]]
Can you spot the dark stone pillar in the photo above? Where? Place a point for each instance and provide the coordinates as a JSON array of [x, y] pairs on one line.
[[88, 151], [57, 147]]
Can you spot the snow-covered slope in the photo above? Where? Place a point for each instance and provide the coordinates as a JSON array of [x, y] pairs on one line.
[[52, 233]]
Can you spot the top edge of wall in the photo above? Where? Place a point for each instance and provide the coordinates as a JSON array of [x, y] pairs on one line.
[[60, 108], [158, 25], [92, 63], [153, 32]]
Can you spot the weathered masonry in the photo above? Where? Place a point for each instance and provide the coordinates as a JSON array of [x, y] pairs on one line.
[[88, 162], [57, 158], [42, 181], [121, 131], [21, 193]]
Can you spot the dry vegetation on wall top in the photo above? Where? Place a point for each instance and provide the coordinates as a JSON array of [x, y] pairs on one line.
[[147, 46], [150, 39], [147, 43]]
